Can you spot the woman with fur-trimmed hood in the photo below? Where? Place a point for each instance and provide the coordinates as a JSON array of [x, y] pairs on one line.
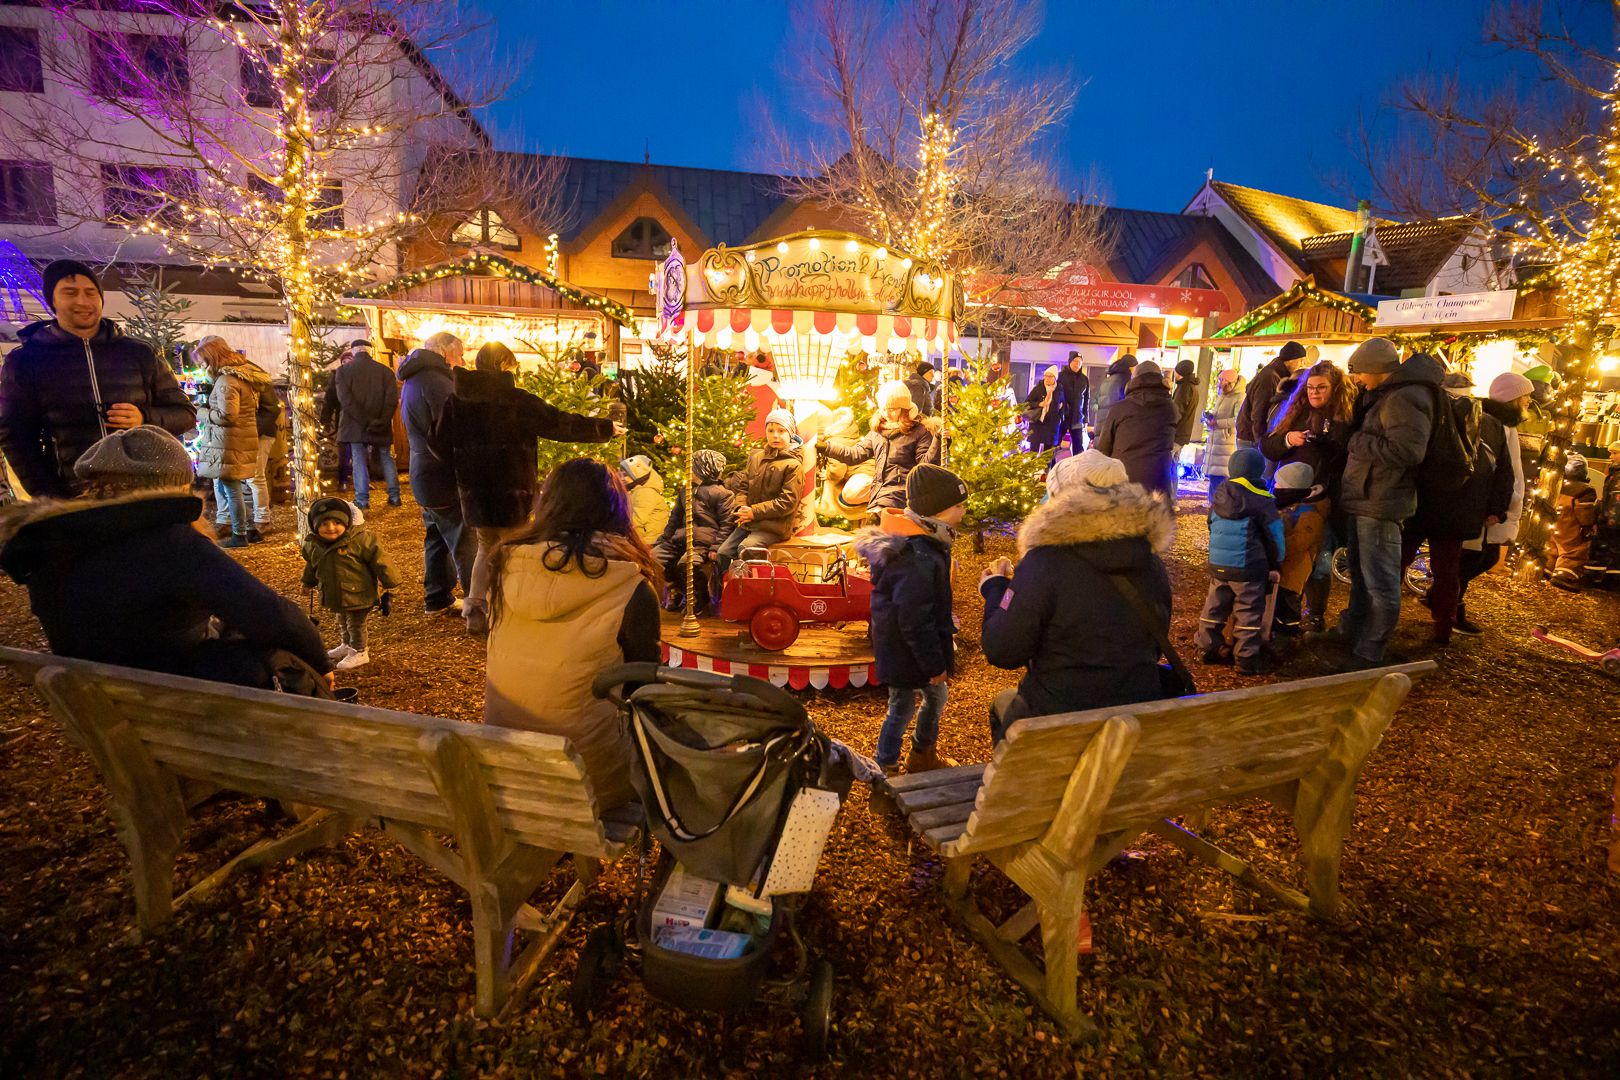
[[900, 440], [1061, 615]]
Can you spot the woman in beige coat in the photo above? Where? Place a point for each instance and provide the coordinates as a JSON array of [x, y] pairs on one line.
[[228, 452], [573, 593]]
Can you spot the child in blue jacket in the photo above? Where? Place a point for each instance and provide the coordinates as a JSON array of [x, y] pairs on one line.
[[1245, 555]]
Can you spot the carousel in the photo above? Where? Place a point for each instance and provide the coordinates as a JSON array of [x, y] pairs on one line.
[[796, 613]]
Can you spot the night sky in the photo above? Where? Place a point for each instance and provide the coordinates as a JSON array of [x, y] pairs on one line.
[[1268, 94]]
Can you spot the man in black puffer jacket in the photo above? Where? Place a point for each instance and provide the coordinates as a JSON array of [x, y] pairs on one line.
[[448, 546], [367, 397], [1263, 388], [75, 379], [1141, 430]]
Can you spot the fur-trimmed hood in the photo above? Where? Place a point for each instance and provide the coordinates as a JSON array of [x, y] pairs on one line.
[[32, 531], [877, 544], [1085, 514]]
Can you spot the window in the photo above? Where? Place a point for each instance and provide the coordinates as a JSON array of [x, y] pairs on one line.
[[260, 93], [1194, 277], [128, 65], [486, 228], [137, 193], [27, 193], [643, 238], [20, 68]]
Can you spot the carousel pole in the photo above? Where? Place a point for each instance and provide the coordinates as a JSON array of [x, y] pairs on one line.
[[689, 623]]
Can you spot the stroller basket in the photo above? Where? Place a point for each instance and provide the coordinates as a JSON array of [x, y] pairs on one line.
[[700, 982]]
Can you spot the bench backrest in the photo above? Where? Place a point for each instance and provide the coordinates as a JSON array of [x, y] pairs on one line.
[[1189, 752], [364, 761]]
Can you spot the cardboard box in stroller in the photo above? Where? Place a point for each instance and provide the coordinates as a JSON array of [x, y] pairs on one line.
[[686, 900]]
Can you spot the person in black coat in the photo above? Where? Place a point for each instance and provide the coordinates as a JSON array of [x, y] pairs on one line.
[[448, 546], [921, 385], [1043, 408], [913, 631], [1061, 615], [367, 396], [126, 576], [1075, 390], [1263, 390], [1140, 431], [73, 380], [1187, 400], [486, 433], [1112, 391], [714, 515]]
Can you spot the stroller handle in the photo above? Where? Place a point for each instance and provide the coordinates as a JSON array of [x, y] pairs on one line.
[[607, 682]]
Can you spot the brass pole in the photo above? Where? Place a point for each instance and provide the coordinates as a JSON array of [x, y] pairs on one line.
[[689, 623]]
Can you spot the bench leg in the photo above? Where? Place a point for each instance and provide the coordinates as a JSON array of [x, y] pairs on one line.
[[956, 876], [1060, 941]]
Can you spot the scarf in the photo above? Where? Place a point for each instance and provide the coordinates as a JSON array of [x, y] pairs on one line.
[[934, 527]]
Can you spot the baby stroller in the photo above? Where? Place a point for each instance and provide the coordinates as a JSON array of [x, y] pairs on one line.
[[740, 790]]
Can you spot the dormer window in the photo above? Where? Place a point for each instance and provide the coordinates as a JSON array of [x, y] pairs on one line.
[[643, 238], [486, 228]]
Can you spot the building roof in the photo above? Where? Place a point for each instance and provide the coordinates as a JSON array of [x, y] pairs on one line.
[[1146, 244], [1286, 221], [1416, 251]]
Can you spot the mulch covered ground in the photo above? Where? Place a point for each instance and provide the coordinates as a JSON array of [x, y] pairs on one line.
[[1483, 935]]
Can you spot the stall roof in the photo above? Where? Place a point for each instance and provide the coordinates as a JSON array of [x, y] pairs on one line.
[[484, 265]]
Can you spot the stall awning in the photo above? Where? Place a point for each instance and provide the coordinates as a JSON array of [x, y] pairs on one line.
[[714, 326]]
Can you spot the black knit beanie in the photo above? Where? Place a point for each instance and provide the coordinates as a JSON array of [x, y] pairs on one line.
[[66, 268], [931, 490]]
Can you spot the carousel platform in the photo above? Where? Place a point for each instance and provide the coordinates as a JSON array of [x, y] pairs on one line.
[[825, 655]]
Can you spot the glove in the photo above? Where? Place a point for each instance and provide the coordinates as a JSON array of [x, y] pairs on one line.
[[385, 603]]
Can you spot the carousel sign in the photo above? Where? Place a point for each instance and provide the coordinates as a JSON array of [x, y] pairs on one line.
[[821, 271]]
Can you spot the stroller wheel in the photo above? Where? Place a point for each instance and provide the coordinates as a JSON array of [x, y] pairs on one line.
[[1610, 665], [599, 963], [817, 1011]]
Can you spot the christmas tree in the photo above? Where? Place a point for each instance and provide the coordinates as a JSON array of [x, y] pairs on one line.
[[986, 450], [556, 383], [159, 319], [856, 384]]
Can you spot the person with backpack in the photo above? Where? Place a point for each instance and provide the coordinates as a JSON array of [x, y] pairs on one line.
[[1448, 517], [1389, 440]]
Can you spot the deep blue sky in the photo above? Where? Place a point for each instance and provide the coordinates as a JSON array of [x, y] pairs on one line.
[[1266, 93]]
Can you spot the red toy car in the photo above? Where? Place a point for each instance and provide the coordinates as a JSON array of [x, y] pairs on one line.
[[773, 603]]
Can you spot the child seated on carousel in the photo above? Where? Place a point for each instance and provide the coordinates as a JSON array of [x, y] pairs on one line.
[[772, 487], [900, 440], [714, 514]]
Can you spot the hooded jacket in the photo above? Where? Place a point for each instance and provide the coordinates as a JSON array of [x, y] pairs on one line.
[[714, 515], [229, 447], [556, 630], [48, 394], [350, 571], [425, 385], [893, 453], [1062, 617], [1076, 391], [366, 397], [1222, 424], [130, 581], [1256, 411], [913, 634], [1113, 389], [1186, 399], [1389, 438], [267, 415], [1140, 431], [486, 434], [649, 510], [1461, 514], [775, 481], [1246, 539], [1304, 522]]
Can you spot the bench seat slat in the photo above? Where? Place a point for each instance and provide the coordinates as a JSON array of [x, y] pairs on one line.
[[942, 815], [928, 798], [934, 778]]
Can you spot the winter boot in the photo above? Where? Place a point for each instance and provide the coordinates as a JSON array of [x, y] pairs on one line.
[[1316, 595], [1464, 625], [927, 759], [254, 536], [1258, 664], [235, 540], [1222, 655]]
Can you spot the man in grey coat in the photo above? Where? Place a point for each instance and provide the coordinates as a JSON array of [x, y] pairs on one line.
[[1388, 442]]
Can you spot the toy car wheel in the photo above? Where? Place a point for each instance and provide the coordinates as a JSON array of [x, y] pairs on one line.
[[817, 1011], [599, 963], [774, 627], [1610, 666]]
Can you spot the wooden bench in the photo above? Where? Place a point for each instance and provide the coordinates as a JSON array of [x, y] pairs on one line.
[[1062, 795], [516, 803]]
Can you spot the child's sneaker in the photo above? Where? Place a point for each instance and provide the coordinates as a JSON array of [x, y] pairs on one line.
[[340, 653], [354, 660]]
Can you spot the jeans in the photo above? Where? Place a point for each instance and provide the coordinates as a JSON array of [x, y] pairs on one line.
[[741, 537], [902, 704], [1375, 586], [228, 493], [448, 550], [478, 583], [361, 452], [256, 491]]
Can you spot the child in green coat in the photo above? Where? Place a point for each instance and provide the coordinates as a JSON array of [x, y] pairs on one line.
[[344, 560]]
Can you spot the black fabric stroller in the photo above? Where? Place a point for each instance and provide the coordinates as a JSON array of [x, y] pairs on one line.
[[740, 790]]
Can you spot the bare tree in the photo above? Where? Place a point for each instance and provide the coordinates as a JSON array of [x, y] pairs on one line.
[[279, 138], [933, 141], [1538, 163]]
